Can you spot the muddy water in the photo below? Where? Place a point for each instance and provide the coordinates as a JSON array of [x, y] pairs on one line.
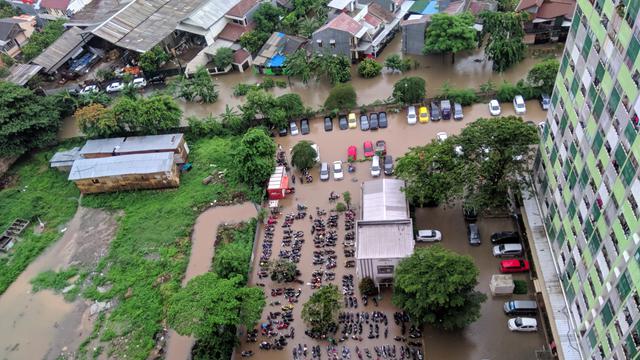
[[202, 252], [40, 325], [333, 146]]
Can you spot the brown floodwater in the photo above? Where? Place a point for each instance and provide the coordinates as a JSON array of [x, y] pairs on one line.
[[333, 146], [202, 252], [469, 71]]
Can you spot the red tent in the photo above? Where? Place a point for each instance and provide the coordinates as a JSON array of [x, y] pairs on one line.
[[278, 184]]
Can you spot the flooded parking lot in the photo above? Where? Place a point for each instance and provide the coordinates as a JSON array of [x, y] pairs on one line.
[[482, 340]]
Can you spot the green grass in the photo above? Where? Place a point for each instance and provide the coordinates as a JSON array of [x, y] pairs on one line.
[[521, 287], [149, 254], [40, 192]]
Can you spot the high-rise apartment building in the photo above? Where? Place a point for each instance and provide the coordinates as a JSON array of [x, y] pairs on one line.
[[587, 177]]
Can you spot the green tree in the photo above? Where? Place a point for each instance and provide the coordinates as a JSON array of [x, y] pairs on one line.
[[543, 75], [158, 113], [291, 104], [7, 11], [341, 97], [297, 66], [27, 121], [409, 90], [505, 45], [436, 286], [41, 40], [96, 120], [233, 121], [507, 5], [200, 87], [397, 63], [255, 159], [267, 18], [450, 34], [223, 58], [346, 196], [464, 97], [369, 68], [368, 287], [209, 302], [433, 174], [253, 40], [337, 69], [151, 60], [307, 26], [283, 270], [232, 259], [218, 345], [321, 310], [303, 156]]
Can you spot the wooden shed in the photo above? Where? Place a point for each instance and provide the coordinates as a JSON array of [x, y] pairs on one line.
[[125, 172], [137, 145]]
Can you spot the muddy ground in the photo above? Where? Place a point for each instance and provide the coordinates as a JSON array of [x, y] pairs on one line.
[[43, 325]]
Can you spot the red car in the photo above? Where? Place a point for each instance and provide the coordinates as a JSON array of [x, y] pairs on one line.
[[352, 153], [368, 149], [514, 266]]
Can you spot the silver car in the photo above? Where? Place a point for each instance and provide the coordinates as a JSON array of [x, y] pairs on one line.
[[457, 111], [324, 171]]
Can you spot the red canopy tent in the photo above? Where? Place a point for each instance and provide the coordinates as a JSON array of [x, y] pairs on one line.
[[278, 184]]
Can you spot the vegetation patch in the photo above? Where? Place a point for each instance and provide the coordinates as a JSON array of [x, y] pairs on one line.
[[60, 282]]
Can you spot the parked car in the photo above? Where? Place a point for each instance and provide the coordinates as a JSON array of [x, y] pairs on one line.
[[364, 122], [317, 150], [520, 307], [293, 127], [139, 83], [445, 109], [90, 89], [470, 213], [442, 136], [156, 80], [519, 106], [473, 234], [352, 121], [545, 101], [411, 115], [457, 112], [435, 112], [382, 120], [304, 126], [494, 107], [114, 87], [375, 166], [283, 131], [505, 237], [352, 153], [373, 121], [381, 148], [506, 250], [388, 165], [523, 324], [514, 266], [343, 124], [368, 149], [328, 123], [337, 170], [423, 115], [428, 236], [324, 171]]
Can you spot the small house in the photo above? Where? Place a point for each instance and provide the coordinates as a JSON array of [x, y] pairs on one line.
[[174, 143], [271, 57], [549, 19], [126, 172], [12, 36]]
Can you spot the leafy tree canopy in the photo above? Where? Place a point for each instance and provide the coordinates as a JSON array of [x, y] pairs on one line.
[[199, 87], [543, 75], [341, 97], [151, 60], [436, 286], [321, 311], [369, 68], [209, 302], [303, 156], [505, 45], [223, 58], [151, 115], [397, 63], [292, 105], [450, 34], [267, 18], [409, 90], [7, 11], [297, 66], [255, 159], [41, 40], [283, 270], [253, 40], [96, 120], [337, 69]]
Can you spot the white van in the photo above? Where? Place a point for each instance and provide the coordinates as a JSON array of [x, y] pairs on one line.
[[375, 166]]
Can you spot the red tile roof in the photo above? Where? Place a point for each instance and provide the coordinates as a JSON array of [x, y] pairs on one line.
[[55, 4], [241, 9], [525, 4], [233, 31], [377, 10], [554, 9], [372, 20], [343, 22], [240, 56]]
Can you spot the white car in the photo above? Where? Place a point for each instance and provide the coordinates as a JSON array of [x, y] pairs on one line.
[[115, 87], [442, 136], [523, 324], [139, 83], [89, 89], [519, 105], [411, 115], [317, 149], [375, 166], [293, 128], [338, 174], [505, 250], [428, 236], [494, 107]]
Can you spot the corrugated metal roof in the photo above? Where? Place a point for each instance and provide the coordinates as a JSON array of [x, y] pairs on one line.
[[51, 57], [121, 165], [132, 144], [391, 239], [65, 158], [209, 13], [275, 181], [383, 199], [338, 4], [21, 73]]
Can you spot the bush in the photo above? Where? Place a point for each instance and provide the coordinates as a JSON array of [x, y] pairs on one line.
[[4, 72], [342, 97], [507, 91], [7, 60], [41, 40], [369, 68], [368, 287], [223, 58], [206, 127], [341, 207], [281, 84], [151, 60], [409, 90], [463, 96], [105, 74], [242, 89], [268, 83], [521, 287]]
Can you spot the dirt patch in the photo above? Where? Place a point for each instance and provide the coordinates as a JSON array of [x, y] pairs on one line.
[[42, 325]]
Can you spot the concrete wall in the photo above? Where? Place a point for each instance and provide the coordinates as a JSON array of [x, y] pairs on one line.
[[130, 182], [413, 38], [369, 268], [342, 42]]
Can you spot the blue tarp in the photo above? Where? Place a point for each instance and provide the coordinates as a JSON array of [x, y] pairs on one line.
[[277, 61], [432, 8]]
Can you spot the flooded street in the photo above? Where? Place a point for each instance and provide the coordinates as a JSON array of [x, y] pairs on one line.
[[399, 137], [202, 252], [42, 325], [469, 71]]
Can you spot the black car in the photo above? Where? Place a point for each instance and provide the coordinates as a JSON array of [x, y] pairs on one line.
[[505, 237], [156, 80], [328, 123], [470, 214], [435, 112], [373, 121], [283, 131], [304, 126], [388, 165], [382, 120], [364, 122], [343, 124]]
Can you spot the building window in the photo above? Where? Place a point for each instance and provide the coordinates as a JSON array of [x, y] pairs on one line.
[[319, 42], [95, 181], [332, 43], [624, 285], [385, 269], [624, 224]]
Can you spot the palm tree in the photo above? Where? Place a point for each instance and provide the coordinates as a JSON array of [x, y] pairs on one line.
[[297, 66]]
